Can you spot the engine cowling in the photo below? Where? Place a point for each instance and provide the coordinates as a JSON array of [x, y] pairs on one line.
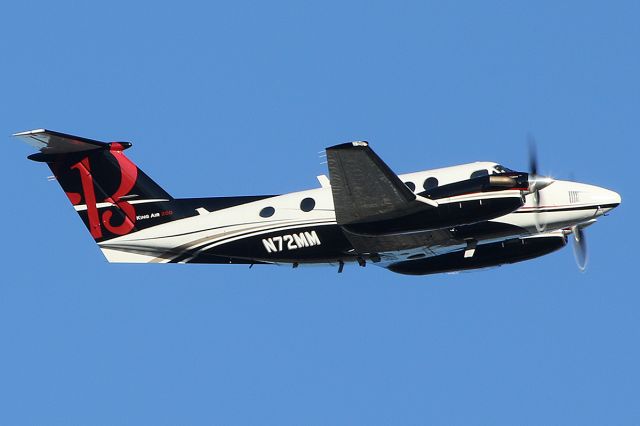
[[486, 255], [453, 212], [460, 203]]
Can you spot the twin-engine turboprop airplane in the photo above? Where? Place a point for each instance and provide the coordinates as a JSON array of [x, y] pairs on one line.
[[451, 219]]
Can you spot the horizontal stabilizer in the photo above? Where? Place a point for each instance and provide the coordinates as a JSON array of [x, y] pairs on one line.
[[49, 142]]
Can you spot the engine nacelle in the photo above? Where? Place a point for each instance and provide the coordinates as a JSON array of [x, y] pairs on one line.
[[486, 255], [450, 213]]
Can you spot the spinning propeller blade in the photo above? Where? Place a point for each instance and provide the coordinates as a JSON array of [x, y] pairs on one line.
[[536, 183], [533, 156], [580, 247]]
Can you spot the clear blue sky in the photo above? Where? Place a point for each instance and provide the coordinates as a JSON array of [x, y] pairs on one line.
[[238, 98]]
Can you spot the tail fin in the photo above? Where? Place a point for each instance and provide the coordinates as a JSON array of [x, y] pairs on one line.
[[104, 186]]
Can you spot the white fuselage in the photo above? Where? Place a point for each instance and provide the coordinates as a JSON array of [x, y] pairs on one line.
[[563, 204]]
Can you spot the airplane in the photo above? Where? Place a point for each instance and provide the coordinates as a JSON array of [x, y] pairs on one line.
[[465, 217]]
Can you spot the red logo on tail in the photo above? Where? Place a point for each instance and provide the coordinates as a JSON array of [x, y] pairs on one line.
[[128, 177]]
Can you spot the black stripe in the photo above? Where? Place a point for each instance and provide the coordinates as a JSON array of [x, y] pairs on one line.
[[194, 250], [566, 209], [221, 227]]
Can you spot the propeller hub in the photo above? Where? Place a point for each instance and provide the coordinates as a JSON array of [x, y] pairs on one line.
[[536, 183]]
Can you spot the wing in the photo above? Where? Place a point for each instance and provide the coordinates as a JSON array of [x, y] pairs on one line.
[[365, 189], [363, 243]]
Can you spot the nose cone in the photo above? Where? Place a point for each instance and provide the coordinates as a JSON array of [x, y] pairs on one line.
[[607, 199], [604, 200]]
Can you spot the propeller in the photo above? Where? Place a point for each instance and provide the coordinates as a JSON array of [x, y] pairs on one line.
[[533, 156], [580, 247], [536, 183]]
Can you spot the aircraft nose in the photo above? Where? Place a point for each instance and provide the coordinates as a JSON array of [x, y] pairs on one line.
[[607, 199]]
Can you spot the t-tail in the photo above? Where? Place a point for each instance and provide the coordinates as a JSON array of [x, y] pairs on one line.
[[109, 192]]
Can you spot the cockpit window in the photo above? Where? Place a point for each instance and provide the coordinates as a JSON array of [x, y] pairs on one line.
[[478, 173], [499, 168]]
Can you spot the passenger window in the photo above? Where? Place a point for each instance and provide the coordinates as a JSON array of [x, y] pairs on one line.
[[267, 212], [430, 183], [307, 204]]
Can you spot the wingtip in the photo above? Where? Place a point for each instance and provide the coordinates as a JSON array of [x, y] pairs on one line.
[[29, 132], [350, 145]]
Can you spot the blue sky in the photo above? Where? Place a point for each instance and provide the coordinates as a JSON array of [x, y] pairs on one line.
[[238, 98]]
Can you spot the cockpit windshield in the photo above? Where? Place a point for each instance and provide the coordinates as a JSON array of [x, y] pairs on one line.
[[498, 168]]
